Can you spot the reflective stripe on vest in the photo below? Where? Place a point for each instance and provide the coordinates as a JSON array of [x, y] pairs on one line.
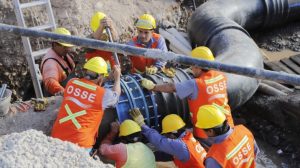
[[80, 114], [237, 148], [213, 80], [72, 116], [212, 89], [85, 85]]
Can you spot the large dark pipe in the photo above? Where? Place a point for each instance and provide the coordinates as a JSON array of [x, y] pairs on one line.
[[220, 25]]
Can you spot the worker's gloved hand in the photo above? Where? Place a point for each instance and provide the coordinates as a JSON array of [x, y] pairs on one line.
[[151, 70], [60, 93], [148, 84], [114, 127], [137, 116], [169, 72], [39, 104]]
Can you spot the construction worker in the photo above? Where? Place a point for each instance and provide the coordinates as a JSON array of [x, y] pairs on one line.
[[98, 24], [146, 38], [176, 140], [208, 87], [131, 152], [232, 147], [57, 66], [83, 104]]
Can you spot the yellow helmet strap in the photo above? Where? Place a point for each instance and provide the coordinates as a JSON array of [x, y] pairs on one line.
[[92, 75], [220, 129], [132, 138], [175, 134]]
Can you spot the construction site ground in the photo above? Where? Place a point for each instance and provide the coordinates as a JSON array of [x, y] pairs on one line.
[[273, 119]]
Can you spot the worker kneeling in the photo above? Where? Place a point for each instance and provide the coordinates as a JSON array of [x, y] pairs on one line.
[[177, 141], [232, 147], [131, 152], [84, 102]]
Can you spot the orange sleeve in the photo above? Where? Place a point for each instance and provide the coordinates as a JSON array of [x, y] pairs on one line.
[[52, 75]]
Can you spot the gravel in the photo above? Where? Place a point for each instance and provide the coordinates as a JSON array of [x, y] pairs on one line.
[[32, 148]]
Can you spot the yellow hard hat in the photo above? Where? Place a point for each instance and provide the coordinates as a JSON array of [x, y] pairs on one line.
[[146, 21], [129, 127], [63, 31], [172, 122], [97, 65], [209, 116], [96, 19], [203, 53]]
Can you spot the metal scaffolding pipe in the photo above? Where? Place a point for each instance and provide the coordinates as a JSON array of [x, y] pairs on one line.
[[155, 54]]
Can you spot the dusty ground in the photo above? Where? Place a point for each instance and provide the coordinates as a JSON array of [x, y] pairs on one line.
[[280, 38]]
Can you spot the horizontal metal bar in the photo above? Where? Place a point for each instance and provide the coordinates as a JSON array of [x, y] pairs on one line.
[[32, 4], [156, 54], [38, 54]]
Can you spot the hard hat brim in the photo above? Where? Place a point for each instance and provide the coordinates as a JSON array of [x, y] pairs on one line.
[[66, 44]]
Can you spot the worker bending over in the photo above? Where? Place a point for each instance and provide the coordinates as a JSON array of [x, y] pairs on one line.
[[176, 140], [208, 87], [131, 152], [146, 38], [57, 66], [83, 104], [232, 147]]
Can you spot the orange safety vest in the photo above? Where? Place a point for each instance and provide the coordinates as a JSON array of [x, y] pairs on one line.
[[80, 114], [107, 56], [235, 151], [212, 89], [139, 63], [197, 153]]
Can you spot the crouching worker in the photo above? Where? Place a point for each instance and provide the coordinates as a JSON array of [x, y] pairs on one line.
[[176, 141], [83, 104], [232, 147], [131, 152]]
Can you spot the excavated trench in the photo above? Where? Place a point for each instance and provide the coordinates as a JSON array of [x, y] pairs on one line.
[[262, 114]]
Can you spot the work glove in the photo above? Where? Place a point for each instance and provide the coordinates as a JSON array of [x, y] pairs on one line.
[[137, 116], [151, 70], [169, 72], [148, 84], [39, 104]]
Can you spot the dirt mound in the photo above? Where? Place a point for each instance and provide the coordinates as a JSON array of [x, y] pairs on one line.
[[280, 38]]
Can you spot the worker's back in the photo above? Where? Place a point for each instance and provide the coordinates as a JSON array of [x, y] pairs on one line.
[[139, 155]]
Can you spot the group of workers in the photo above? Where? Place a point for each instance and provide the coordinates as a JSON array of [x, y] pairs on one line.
[[214, 140]]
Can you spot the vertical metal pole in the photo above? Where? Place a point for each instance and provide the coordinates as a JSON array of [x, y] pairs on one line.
[[111, 40]]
